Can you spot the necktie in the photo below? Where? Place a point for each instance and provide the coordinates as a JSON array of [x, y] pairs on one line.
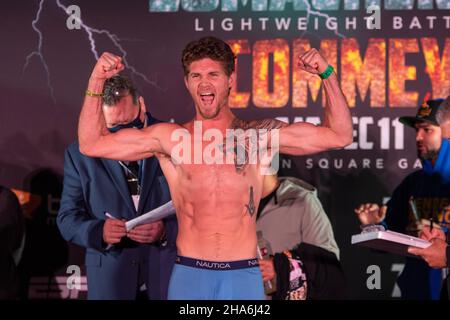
[[132, 175]]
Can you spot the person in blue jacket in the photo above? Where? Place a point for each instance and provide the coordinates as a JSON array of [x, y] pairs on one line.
[[99, 195], [421, 197], [437, 255]]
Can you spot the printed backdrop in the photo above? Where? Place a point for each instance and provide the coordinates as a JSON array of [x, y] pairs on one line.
[[386, 67]]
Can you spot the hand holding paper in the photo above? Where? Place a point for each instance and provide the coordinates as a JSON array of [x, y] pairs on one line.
[[159, 213], [147, 232], [156, 214]]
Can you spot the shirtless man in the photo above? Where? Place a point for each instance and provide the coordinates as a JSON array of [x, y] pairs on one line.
[[215, 202]]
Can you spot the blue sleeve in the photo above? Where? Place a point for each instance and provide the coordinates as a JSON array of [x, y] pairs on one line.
[[74, 221]]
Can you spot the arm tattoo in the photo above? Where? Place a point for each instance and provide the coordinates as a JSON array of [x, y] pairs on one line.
[[251, 203], [268, 124], [241, 148]]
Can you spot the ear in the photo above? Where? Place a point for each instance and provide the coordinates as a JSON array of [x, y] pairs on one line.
[[142, 105], [445, 127], [186, 82], [231, 79]]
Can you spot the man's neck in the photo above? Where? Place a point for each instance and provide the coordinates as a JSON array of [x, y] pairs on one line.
[[434, 158], [222, 121]]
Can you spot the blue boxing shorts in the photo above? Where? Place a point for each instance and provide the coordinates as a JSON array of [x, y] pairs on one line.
[[194, 279]]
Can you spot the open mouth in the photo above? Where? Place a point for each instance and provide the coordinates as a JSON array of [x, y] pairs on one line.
[[207, 97]]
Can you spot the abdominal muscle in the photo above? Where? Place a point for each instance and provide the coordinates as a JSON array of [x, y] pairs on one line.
[[214, 223], [217, 237]]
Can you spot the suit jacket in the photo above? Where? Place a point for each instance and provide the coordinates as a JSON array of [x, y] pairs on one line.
[[12, 228], [93, 186]]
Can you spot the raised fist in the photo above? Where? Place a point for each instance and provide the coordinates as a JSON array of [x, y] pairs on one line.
[[107, 66], [370, 213], [312, 61]]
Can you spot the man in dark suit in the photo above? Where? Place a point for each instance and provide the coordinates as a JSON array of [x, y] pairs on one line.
[[119, 264], [12, 228]]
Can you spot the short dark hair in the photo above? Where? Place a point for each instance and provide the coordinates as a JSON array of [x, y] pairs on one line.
[[115, 87], [443, 113], [208, 47]]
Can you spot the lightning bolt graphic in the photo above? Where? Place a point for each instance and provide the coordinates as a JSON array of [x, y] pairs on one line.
[[90, 31], [114, 39], [38, 51], [310, 11]]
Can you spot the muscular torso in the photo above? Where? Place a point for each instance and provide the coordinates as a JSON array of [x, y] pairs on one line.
[[216, 208]]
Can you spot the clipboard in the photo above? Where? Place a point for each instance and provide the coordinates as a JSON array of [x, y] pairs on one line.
[[389, 241]]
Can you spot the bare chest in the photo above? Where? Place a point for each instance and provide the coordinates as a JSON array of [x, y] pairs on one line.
[[217, 180]]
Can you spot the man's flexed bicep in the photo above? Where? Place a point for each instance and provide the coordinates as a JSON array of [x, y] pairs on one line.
[[131, 144], [303, 138], [336, 130]]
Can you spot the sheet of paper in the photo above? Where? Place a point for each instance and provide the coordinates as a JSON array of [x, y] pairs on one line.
[[159, 213]]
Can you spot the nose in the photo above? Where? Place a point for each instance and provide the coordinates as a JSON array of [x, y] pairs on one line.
[[419, 135], [204, 84]]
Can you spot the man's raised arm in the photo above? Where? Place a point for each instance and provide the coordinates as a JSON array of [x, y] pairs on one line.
[[336, 130], [94, 138]]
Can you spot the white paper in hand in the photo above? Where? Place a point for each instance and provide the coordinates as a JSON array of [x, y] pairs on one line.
[[159, 213]]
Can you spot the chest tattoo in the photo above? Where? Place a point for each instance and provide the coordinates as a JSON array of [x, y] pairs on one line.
[[242, 145]]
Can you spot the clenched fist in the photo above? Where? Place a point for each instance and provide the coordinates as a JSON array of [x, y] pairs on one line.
[[312, 61], [107, 66]]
